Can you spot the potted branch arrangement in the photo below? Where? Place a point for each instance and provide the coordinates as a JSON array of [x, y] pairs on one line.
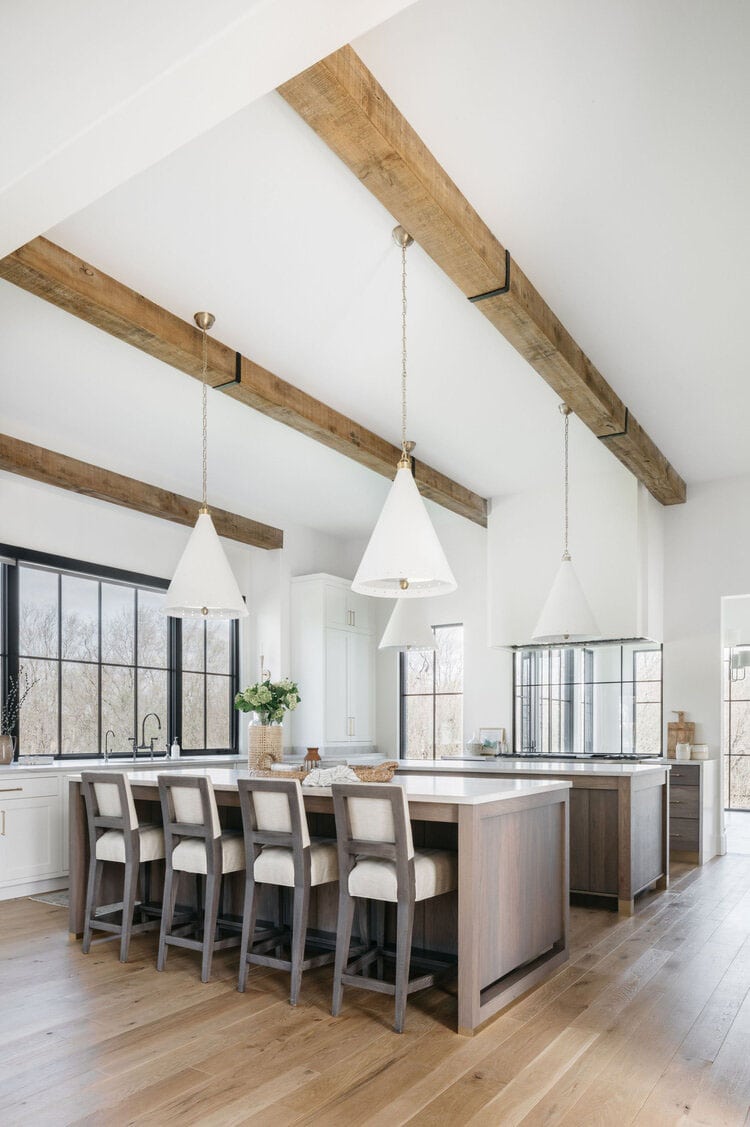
[[18, 690], [268, 701]]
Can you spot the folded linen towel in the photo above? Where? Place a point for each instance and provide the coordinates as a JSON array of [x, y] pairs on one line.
[[324, 776]]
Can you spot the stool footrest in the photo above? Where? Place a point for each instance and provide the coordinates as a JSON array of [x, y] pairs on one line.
[[323, 959]]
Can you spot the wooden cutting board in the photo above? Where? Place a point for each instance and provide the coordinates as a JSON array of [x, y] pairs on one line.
[[679, 731]]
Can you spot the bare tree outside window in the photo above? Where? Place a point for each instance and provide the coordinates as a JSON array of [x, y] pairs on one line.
[[736, 735], [99, 651], [432, 697]]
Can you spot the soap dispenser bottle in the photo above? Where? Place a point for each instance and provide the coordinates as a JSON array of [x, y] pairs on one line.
[[174, 751]]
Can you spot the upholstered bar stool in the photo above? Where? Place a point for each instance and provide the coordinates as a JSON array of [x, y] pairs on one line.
[[116, 835], [195, 843], [279, 852], [378, 862]]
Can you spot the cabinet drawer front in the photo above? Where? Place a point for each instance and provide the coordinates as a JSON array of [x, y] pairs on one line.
[[685, 775], [683, 833], [29, 787], [684, 802]]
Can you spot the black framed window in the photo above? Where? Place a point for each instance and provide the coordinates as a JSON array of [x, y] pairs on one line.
[[736, 728], [208, 683], [432, 684], [102, 655]]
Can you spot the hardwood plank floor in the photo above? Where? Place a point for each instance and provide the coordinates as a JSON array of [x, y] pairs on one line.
[[649, 1024]]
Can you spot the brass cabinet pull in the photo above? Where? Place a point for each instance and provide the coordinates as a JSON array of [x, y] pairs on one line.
[[7, 790]]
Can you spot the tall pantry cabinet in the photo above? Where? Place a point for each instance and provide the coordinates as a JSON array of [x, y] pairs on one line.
[[333, 662]]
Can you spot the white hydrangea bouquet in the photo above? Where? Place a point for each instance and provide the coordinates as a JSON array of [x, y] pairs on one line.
[[270, 700]]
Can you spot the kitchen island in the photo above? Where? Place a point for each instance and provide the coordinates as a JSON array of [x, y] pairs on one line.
[[619, 817], [507, 923]]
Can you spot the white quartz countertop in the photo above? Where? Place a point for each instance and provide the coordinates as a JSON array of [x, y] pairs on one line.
[[74, 766], [422, 788], [531, 766]]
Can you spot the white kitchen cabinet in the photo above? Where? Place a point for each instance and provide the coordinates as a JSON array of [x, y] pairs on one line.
[[345, 609], [31, 832], [332, 660], [337, 726], [360, 676]]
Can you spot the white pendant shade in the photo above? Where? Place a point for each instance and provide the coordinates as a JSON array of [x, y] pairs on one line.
[[409, 627], [404, 546], [566, 615], [203, 584]]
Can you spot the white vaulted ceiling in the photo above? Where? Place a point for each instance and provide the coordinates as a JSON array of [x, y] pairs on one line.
[[605, 144]]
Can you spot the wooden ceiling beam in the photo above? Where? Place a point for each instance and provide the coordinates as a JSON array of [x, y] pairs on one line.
[[345, 105], [51, 468], [47, 270]]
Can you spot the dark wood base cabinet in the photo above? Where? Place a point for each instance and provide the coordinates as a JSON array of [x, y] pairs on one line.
[[692, 802], [619, 824]]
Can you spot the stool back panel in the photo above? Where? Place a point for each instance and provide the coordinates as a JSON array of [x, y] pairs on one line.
[[188, 807], [109, 803], [372, 818], [273, 811]]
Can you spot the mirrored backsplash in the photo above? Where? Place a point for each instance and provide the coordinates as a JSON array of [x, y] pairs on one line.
[[586, 699]]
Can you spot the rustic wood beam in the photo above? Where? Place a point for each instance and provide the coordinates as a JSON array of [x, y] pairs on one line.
[[52, 468], [50, 272], [345, 105]]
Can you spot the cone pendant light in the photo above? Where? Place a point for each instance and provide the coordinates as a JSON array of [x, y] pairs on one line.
[[203, 585], [566, 616], [409, 627], [403, 557]]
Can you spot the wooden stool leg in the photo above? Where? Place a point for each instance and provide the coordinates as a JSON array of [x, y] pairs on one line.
[[404, 928], [380, 935], [279, 921], [299, 936], [169, 899], [145, 888], [130, 885], [363, 921], [249, 912], [210, 916], [343, 939], [92, 899]]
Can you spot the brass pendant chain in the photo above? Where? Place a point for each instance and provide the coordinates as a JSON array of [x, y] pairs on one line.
[[566, 412], [403, 351], [404, 240], [205, 423]]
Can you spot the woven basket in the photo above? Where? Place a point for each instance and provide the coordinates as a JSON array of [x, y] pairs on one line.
[[382, 773], [264, 745]]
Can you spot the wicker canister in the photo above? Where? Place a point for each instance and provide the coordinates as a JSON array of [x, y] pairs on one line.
[[263, 745]]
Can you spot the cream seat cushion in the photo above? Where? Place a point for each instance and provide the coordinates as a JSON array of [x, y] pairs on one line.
[[190, 855], [111, 845], [435, 872], [275, 865]]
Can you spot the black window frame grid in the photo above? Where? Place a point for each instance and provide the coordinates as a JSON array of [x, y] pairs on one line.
[[403, 695], [727, 753], [11, 556]]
